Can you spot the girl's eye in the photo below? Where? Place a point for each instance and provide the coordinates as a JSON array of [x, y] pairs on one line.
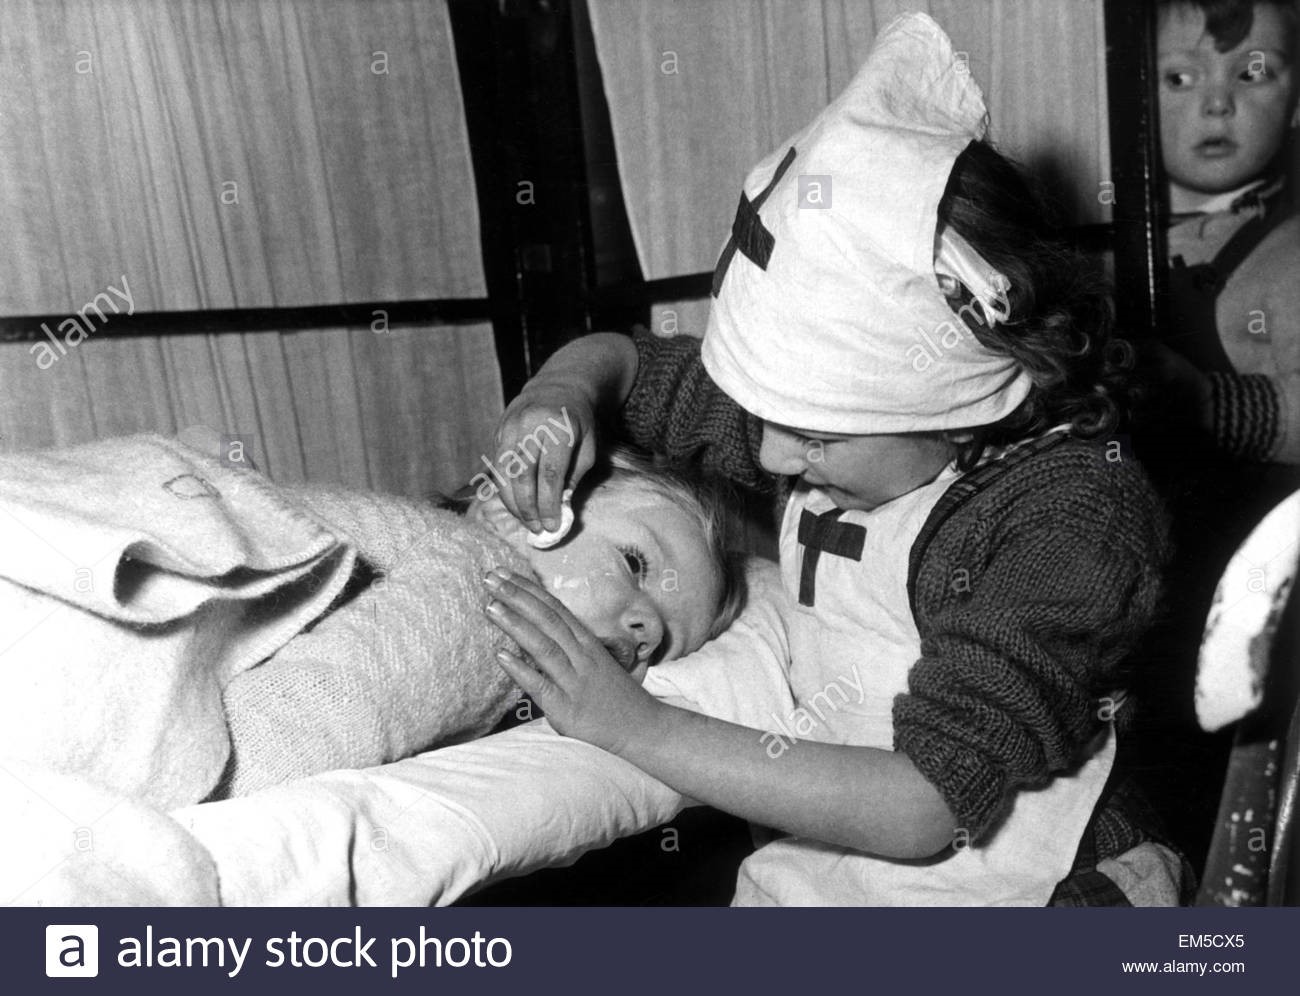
[[636, 562], [1255, 74], [814, 450], [1178, 79], [808, 442]]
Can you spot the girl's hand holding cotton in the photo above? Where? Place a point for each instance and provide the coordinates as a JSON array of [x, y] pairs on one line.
[[554, 537], [545, 443], [546, 440]]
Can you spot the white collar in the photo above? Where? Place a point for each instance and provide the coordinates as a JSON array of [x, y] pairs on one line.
[[1225, 201]]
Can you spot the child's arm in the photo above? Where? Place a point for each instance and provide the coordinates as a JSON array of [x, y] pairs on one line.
[[1253, 412], [675, 408], [664, 401], [1256, 410], [859, 797]]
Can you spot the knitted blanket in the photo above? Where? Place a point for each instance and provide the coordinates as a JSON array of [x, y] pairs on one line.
[[406, 664], [137, 577]]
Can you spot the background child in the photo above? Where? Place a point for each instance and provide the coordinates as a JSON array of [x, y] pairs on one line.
[[1228, 105], [405, 661], [1222, 431], [927, 362]]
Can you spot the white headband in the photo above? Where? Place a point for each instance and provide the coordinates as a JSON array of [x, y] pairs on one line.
[[958, 259]]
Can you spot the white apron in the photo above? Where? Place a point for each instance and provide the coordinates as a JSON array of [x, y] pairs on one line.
[[851, 653]]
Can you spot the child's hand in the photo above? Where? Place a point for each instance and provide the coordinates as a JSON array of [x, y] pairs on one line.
[[581, 688], [544, 430]]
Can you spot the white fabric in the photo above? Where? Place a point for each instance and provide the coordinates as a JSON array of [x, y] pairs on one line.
[[852, 651], [1224, 201], [136, 578], [431, 828], [1148, 874], [958, 259], [829, 333], [70, 842], [1244, 615], [428, 829], [859, 633], [743, 676]]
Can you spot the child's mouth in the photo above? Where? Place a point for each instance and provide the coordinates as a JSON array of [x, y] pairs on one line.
[[1216, 148], [623, 651]]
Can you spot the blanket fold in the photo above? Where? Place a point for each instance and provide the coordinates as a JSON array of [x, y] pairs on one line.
[[137, 577]]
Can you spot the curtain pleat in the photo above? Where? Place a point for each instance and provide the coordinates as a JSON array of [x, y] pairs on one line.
[[227, 153], [700, 90]]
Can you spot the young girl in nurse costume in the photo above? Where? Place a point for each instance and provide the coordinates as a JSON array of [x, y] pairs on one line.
[[919, 370]]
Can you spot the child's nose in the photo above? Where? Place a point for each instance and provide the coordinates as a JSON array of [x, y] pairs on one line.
[[642, 625], [782, 452], [1218, 101]]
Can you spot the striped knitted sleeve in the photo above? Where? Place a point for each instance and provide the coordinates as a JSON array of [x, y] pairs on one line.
[[676, 409], [1247, 415]]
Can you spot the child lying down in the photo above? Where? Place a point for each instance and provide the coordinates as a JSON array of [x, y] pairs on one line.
[[404, 660]]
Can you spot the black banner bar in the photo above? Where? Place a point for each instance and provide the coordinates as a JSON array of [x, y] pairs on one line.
[[631, 951]]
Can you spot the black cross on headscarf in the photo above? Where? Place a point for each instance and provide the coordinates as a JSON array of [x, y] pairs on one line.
[[821, 533], [747, 231]]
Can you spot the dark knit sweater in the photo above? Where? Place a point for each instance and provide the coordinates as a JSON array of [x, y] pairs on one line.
[[1026, 594]]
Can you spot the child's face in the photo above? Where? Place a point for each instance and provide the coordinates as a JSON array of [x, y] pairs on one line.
[[1223, 115], [857, 472], [635, 570]]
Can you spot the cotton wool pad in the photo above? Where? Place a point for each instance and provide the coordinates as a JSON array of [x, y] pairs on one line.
[[551, 537]]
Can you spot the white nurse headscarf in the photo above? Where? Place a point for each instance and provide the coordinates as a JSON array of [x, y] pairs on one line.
[[828, 313]]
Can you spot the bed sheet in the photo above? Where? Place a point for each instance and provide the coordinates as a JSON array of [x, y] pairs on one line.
[[429, 829]]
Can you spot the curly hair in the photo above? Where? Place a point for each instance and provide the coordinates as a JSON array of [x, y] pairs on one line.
[[1061, 319], [701, 496]]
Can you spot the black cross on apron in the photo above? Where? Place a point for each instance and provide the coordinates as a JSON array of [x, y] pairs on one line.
[[747, 231], [823, 534]]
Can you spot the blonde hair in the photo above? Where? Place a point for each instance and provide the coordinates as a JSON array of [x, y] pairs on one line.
[[702, 498]]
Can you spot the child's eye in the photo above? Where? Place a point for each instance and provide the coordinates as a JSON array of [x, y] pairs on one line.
[[1178, 79], [636, 561], [1257, 73]]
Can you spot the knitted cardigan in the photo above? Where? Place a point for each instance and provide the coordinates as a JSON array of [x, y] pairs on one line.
[[1255, 407], [1026, 594]]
